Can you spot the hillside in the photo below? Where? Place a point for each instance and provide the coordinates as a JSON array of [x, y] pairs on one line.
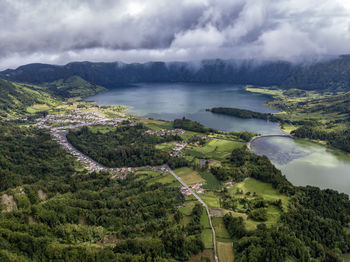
[[16, 97], [113, 74], [73, 86], [330, 75]]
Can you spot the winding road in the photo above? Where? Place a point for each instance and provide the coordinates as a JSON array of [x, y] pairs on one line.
[[203, 203]]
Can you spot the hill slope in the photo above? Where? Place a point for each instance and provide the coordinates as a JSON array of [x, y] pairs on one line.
[[328, 75], [16, 97], [73, 86], [113, 74]]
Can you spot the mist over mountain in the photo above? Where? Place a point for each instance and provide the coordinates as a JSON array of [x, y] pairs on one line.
[[325, 75]]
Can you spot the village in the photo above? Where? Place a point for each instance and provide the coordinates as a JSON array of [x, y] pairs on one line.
[[196, 187], [60, 124]]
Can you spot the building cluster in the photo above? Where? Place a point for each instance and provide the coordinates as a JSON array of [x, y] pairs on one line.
[[178, 149], [76, 119], [196, 188], [164, 132], [61, 137], [59, 125]]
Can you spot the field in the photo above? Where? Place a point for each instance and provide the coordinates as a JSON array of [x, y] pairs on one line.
[[214, 149], [262, 189], [221, 233], [212, 182], [225, 251], [157, 124], [212, 199], [157, 177], [267, 192], [189, 176]]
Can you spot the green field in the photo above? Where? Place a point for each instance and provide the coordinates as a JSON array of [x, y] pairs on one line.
[[158, 177], [189, 176], [212, 199], [221, 233], [166, 146], [267, 192], [157, 124], [207, 238], [212, 183], [225, 251], [214, 149], [262, 189]]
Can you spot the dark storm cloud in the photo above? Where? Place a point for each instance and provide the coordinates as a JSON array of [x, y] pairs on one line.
[[136, 30]]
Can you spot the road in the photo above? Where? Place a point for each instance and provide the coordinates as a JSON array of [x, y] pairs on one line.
[[203, 203]]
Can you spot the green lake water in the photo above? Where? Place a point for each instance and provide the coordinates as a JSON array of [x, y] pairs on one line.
[[302, 162]]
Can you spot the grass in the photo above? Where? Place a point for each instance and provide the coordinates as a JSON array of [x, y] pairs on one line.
[[166, 146], [189, 176], [211, 199], [212, 183], [262, 189], [166, 179], [204, 219], [225, 251], [207, 238], [215, 149], [221, 233], [265, 90], [157, 124], [186, 209], [267, 192]]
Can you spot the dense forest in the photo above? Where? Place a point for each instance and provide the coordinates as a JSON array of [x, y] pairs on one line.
[[61, 214], [127, 146], [243, 113], [28, 155]]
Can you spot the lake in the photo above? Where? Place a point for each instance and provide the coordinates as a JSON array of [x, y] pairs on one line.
[[302, 162], [306, 163], [170, 101]]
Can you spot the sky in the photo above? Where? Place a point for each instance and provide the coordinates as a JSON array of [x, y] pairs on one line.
[[58, 32]]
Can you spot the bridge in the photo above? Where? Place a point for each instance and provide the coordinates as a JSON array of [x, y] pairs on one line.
[[262, 136]]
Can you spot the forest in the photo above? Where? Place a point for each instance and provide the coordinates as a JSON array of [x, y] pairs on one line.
[[190, 125], [61, 214], [243, 113], [126, 146]]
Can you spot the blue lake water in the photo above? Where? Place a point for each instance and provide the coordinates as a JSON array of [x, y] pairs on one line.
[[303, 163], [170, 101]]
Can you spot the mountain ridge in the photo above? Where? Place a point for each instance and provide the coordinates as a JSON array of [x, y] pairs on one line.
[[327, 75]]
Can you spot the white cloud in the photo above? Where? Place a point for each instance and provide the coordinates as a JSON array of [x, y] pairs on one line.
[[135, 30]]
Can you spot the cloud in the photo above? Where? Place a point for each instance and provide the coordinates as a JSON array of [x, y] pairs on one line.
[[137, 31]]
